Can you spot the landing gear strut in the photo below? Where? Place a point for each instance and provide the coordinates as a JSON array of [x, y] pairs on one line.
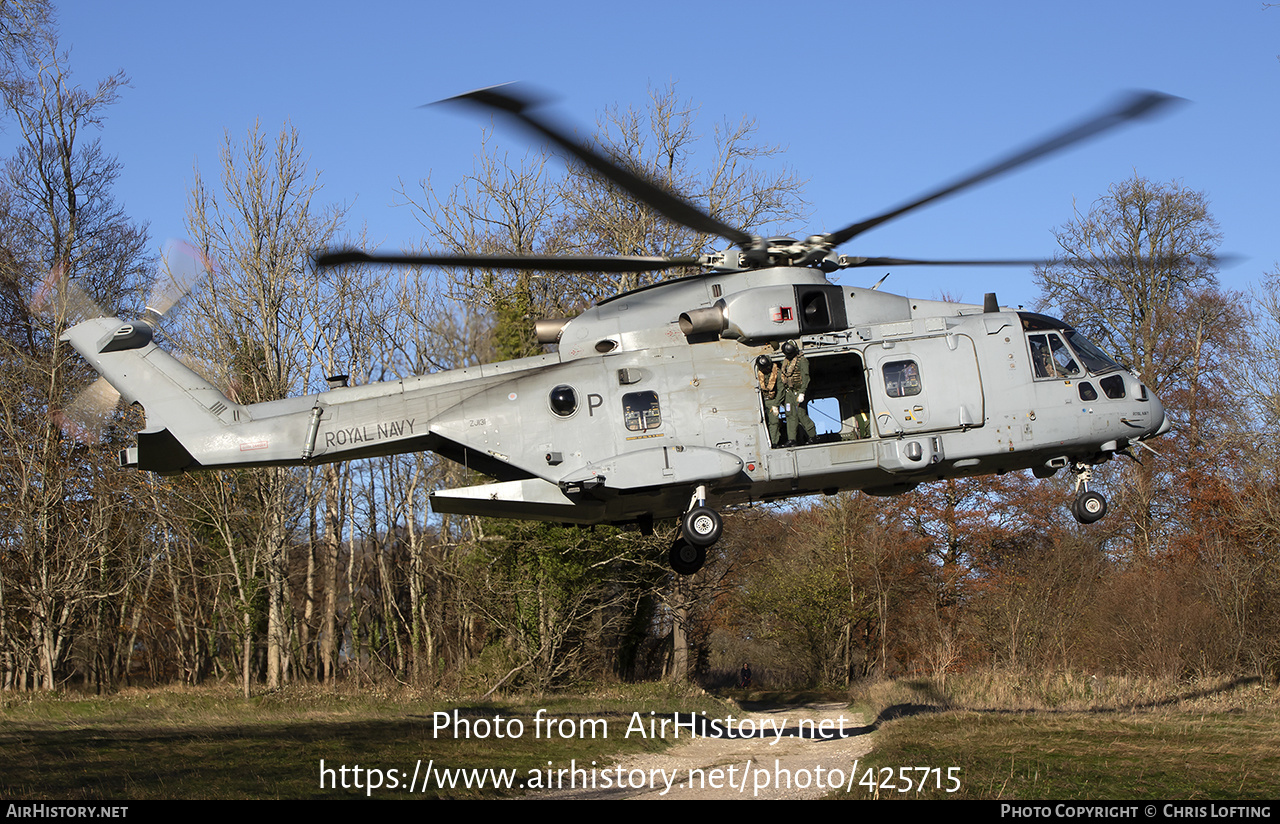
[[700, 527], [1089, 506]]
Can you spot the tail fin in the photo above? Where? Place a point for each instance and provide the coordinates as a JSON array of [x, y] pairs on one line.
[[179, 404]]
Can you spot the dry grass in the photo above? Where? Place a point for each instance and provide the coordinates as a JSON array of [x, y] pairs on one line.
[[1065, 736], [208, 742]]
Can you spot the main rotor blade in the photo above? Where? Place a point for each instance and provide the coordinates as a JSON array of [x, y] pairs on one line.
[[545, 263], [856, 262], [1133, 106], [507, 100]]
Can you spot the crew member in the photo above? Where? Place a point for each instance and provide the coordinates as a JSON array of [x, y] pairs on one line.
[[794, 383], [767, 380]]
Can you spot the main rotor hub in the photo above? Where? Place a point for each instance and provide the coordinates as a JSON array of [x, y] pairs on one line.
[[813, 251]]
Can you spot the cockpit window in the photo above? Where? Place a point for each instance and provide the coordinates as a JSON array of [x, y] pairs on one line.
[[1113, 386], [1051, 357], [640, 411], [1095, 360]]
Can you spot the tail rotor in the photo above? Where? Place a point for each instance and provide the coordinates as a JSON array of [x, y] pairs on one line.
[[182, 266]]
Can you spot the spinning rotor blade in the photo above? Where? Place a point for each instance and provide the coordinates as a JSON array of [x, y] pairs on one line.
[[58, 292], [87, 416], [1135, 105], [507, 100], [182, 266], [855, 262], [545, 263]]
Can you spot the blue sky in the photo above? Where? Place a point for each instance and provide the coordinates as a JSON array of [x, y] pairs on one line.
[[875, 102]]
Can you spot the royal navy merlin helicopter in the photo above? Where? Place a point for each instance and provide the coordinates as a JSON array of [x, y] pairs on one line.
[[649, 408]]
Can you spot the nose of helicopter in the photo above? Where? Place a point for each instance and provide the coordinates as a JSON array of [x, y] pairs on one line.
[[1160, 422]]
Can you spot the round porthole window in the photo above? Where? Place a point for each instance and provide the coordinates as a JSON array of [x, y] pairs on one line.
[[564, 401]]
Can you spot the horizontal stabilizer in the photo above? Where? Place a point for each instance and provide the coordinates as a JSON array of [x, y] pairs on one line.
[[532, 499]]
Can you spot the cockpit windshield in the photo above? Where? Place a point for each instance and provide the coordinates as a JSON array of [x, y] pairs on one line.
[[1094, 359], [1049, 355]]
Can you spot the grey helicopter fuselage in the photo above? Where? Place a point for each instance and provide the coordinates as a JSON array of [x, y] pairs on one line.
[[651, 397], [650, 408]]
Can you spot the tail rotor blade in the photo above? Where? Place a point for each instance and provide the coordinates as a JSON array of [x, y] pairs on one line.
[[87, 416], [60, 296], [181, 268]]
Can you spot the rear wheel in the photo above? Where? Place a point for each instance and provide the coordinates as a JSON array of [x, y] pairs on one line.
[[686, 558]]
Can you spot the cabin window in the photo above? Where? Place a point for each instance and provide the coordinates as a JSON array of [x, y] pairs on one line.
[[563, 400], [901, 379], [1087, 392], [640, 411]]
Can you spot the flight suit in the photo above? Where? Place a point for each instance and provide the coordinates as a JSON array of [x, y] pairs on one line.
[[769, 389], [794, 384]]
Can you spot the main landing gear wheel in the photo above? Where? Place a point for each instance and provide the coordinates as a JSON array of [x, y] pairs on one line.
[[1089, 507], [686, 558], [702, 526]]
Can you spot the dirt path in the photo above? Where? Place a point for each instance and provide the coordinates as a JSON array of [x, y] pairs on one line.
[[787, 752]]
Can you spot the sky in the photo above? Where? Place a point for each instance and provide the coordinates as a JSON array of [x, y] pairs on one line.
[[874, 102]]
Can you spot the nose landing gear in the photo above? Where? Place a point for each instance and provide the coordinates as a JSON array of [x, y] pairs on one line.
[[1089, 506]]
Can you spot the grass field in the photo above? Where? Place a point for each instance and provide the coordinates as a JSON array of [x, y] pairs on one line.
[[1055, 738], [1011, 738], [209, 743]]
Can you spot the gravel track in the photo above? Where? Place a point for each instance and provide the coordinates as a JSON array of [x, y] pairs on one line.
[[744, 767]]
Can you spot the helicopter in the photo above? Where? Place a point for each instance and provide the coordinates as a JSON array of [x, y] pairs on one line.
[[649, 406]]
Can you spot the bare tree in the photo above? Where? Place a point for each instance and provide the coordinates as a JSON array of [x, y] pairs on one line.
[[1139, 276], [660, 142], [501, 207], [26, 27], [256, 319], [66, 544]]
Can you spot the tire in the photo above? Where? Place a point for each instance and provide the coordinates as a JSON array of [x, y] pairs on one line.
[[1089, 507], [702, 526], [686, 558]]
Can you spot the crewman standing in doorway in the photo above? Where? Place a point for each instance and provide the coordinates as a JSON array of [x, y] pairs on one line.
[[795, 382], [767, 380]]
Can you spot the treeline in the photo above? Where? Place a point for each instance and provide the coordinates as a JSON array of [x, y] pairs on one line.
[[111, 577]]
